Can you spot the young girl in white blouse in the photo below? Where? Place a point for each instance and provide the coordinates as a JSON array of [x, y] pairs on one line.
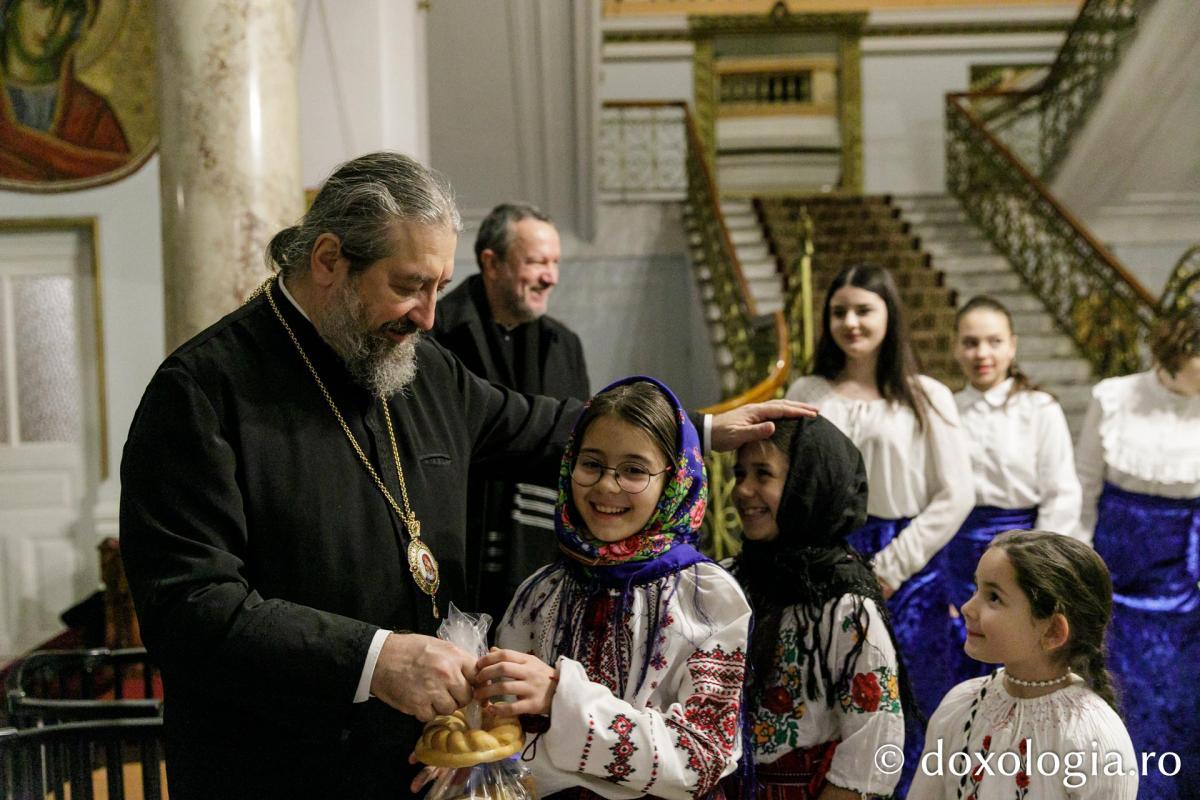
[[866, 381], [827, 692], [632, 645], [1045, 726], [1021, 453], [1139, 465]]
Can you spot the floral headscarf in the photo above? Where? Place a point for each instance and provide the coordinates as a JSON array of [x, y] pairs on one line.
[[677, 517], [600, 579]]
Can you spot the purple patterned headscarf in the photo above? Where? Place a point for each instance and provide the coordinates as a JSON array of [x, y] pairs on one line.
[[677, 517], [599, 578]]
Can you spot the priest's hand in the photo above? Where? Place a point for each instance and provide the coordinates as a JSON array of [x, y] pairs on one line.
[[423, 676], [752, 422], [529, 680]]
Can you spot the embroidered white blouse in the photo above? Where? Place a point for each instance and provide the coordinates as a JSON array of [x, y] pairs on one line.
[[676, 736], [923, 475], [1072, 720], [1021, 454], [1141, 437], [864, 718]]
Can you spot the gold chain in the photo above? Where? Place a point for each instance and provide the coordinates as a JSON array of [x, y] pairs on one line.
[[406, 516]]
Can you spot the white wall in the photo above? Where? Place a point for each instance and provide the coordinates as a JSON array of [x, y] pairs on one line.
[[363, 83], [904, 84], [512, 111], [647, 71]]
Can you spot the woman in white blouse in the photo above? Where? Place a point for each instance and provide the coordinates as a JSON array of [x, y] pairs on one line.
[[1020, 448], [1139, 466], [867, 382]]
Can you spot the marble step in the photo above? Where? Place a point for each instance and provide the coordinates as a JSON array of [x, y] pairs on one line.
[[954, 265], [745, 236], [754, 252], [926, 202], [1058, 371], [936, 217], [1032, 323], [742, 220], [754, 270], [972, 283], [765, 287], [956, 248], [1013, 301], [1039, 348], [942, 231], [770, 306]]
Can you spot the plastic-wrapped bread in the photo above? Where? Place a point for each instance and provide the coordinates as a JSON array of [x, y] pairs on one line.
[[449, 742]]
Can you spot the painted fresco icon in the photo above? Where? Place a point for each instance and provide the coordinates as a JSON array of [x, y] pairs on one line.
[[61, 77]]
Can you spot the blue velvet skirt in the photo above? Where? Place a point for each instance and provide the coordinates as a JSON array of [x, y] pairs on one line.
[[1152, 547], [925, 633], [960, 558]]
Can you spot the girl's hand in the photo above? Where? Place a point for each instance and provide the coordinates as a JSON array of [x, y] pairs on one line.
[[527, 678], [887, 590], [426, 775]]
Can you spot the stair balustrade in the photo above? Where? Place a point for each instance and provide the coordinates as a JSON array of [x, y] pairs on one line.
[[640, 160]]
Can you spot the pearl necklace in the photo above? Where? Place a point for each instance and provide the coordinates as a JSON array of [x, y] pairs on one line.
[[1037, 684]]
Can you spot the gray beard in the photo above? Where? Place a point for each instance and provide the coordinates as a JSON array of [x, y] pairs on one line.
[[378, 364], [516, 309]]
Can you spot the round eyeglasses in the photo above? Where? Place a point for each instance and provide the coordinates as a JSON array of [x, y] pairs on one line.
[[630, 476]]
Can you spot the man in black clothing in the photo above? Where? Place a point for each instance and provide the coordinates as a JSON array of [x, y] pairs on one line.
[[293, 502], [496, 323]]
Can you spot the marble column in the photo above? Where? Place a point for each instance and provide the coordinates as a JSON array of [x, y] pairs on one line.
[[229, 153]]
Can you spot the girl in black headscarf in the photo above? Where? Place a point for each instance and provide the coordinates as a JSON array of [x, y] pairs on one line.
[[827, 696]]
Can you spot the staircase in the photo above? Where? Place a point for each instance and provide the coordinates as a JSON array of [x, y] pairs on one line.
[[939, 261], [971, 266], [850, 229], [759, 265]]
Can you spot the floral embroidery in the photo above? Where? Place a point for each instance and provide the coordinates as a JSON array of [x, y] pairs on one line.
[[775, 719], [659, 661], [776, 722], [777, 700], [622, 750], [873, 691], [865, 691]]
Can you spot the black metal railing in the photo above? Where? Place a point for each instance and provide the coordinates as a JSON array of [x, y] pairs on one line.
[[1090, 294]]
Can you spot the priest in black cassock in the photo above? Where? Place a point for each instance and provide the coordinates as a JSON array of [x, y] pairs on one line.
[[293, 502], [496, 323]]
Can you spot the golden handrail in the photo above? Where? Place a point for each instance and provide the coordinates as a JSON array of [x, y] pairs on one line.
[[1103, 253]]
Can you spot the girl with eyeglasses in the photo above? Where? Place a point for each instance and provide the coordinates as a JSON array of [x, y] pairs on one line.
[[866, 380], [631, 648]]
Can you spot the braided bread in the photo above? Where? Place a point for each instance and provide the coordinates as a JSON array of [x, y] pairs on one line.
[[448, 742]]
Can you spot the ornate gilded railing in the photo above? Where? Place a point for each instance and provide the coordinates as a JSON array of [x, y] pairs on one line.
[[1183, 287], [799, 295], [758, 346], [1090, 294], [1086, 59], [643, 153]]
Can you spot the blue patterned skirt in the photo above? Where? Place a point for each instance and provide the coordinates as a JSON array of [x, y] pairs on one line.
[[1152, 547], [960, 558], [924, 632]]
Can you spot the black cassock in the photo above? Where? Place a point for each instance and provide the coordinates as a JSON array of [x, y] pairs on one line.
[[263, 558], [514, 519]]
